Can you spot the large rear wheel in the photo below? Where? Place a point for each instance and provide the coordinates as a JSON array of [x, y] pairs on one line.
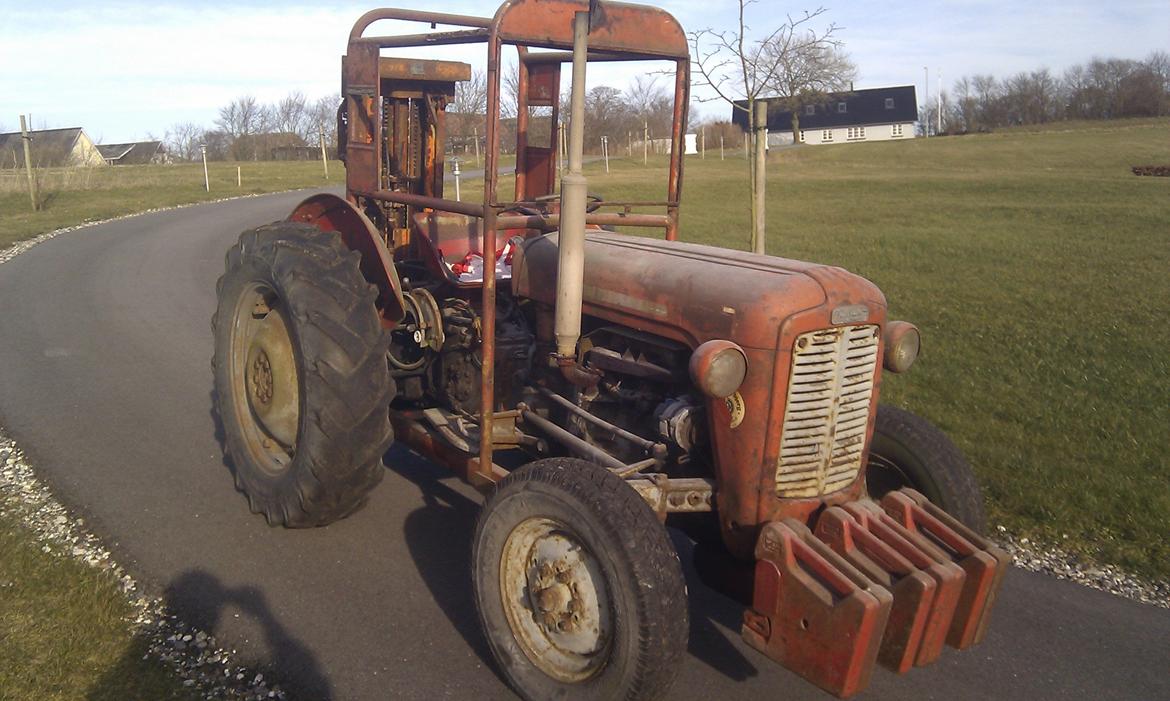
[[909, 451], [579, 590], [302, 385]]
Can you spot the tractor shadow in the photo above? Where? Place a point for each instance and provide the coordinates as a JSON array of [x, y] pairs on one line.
[[439, 536]]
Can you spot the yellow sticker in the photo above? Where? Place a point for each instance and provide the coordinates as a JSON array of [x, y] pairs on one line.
[[735, 408]]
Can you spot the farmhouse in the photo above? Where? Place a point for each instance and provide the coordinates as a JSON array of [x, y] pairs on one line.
[[135, 153], [51, 148], [873, 114]]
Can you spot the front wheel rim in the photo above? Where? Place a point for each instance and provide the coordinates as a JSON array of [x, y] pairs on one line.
[[556, 600], [264, 376]]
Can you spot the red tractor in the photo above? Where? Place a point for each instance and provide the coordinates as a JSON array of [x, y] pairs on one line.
[[597, 386]]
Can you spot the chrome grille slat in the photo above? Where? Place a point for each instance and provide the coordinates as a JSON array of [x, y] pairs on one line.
[[829, 396]]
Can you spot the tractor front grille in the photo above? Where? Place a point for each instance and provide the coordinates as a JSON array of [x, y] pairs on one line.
[[829, 395]]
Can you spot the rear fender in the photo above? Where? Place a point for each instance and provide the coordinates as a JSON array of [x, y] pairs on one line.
[[332, 213]]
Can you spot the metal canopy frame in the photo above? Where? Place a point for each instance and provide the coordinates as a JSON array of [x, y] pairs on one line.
[[619, 32]]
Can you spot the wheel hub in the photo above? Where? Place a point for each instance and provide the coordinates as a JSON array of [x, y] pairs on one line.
[[266, 381], [556, 600]]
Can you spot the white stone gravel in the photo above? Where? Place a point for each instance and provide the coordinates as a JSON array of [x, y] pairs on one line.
[[202, 664], [193, 654]]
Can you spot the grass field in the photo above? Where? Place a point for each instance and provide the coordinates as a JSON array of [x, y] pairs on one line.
[[1037, 267], [73, 196], [63, 631]]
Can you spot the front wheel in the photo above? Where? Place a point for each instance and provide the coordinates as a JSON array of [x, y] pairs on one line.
[[579, 590], [302, 386], [909, 451]]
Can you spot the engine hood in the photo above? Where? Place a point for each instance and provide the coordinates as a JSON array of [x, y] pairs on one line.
[[690, 292]]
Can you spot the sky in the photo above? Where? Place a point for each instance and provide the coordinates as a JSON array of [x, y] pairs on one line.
[[126, 71]]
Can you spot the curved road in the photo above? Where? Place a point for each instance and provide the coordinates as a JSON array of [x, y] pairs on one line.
[[104, 380]]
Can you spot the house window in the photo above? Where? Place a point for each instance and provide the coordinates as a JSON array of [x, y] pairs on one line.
[[802, 136], [840, 108], [827, 135], [855, 133], [895, 130], [810, 110], [889, 103]]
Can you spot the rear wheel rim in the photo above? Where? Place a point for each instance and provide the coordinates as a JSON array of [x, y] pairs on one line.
[[265, 377], [556, 600]]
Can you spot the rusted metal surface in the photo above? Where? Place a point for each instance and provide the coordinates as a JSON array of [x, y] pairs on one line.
[[982, 561], [416, 69], [635, 30], [678, 495], [331, 213], [933, 580], [813, 612]]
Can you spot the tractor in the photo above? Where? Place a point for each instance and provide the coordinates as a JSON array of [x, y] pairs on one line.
[[596, 385]]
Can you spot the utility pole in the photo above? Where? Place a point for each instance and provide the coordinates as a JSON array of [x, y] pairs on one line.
[[926, 100], [939, 130], [324, 158], [32, 181], [206, 180]]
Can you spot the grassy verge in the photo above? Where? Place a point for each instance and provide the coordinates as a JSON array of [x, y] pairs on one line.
[[74, 196], [63, 632], [1036, 266]]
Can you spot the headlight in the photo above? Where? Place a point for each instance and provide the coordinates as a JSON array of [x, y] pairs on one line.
[[902, 344], [718, 368]]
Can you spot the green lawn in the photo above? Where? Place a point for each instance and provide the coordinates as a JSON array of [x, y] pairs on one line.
[[72, 196], [1037, 267], [63, 630]]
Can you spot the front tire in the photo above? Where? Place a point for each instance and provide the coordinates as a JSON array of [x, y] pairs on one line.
[[302, 385], [579, 590], [909, 451]]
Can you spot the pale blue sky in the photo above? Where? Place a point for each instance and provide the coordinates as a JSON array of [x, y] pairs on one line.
[[126, 69]]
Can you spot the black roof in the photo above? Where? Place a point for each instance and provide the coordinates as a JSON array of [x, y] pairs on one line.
[[862, 107]]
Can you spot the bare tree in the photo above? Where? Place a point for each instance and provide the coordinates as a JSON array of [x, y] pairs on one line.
[[322, 117], [183, 140], [739, 70], [471, 95], [291, 115], [810, 66]]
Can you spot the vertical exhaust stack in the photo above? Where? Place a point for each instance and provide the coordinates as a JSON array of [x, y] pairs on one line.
[[574, 186]]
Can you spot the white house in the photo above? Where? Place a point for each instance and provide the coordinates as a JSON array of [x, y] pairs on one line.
[[873, 114]]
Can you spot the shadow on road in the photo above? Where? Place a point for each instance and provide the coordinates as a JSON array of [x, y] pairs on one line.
[[439, 537], [200, 601]]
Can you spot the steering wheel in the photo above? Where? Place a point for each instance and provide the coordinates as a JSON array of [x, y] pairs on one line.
[[593, 205]]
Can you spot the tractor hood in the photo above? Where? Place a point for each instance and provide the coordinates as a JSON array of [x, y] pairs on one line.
[[689, 292]]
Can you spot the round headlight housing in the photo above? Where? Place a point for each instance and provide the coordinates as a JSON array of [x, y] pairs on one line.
[[718, 368], [903, 341]]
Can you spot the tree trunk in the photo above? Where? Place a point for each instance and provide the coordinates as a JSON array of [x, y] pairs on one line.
[[759, 182]]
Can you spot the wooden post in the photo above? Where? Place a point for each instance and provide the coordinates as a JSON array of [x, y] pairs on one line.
[[759, 182], [32, 181], [324, 158], [239, 177], [206, 179], [475, 138], [703, 143], [721, 147], [645, 141]]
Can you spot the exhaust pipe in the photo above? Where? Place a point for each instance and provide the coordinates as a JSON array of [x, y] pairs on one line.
[[571, 241]]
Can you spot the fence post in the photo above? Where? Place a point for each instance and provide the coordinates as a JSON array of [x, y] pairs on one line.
[[324, 158], [32, 181]]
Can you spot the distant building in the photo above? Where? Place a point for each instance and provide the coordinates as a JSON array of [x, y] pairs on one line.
[[135, 153], [51, 148], [873, 114]]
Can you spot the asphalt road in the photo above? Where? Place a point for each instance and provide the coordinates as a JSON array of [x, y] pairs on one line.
[[104, 380]]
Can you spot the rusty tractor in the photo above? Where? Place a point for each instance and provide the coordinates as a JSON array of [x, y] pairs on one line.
[[597, 386]]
